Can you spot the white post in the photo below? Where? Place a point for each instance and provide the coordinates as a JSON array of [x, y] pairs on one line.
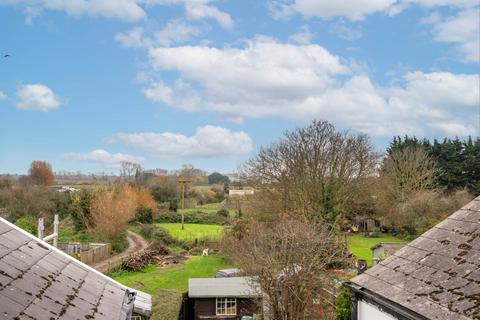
[[40, 228], [55, 231]]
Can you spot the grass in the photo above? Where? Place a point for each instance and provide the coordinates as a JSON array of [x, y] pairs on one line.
[[360, 246], [152, 279], [210, 208], [70, 235], [193, 231]]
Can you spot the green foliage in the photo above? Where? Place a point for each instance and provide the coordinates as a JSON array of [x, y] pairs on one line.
[[458, 161], [80, 210], [343, 305], [223, 213], [120, 243], [144, 215], [191, 217], [145, 230], [27, 223], [162, 234], [217, 178]]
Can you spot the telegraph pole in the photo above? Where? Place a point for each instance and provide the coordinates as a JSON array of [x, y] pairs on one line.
[[183, 180]]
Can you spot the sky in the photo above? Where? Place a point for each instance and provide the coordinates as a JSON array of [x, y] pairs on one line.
[[86, 84]]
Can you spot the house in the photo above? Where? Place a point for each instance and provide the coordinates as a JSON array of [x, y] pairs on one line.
[[223, 298], [436, 276], [241, 192], [383, 250], [38, 281]]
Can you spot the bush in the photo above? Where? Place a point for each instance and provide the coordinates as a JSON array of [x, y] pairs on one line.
[[28, 223], [192, 217], [343, 305], [160, 234], [147, 230], [144, 215], [223, 213]]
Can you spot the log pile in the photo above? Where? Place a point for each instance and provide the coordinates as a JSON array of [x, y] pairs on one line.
[[137, 261]]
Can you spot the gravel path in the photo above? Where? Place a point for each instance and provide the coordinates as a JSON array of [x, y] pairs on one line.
[[135, 243]]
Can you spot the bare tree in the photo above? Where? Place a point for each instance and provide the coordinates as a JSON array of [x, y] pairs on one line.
[[406, 171], [313, 171], [130, 170], [293, 263]]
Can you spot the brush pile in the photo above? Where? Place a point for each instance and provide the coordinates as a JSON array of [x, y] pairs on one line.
[[154, 254]]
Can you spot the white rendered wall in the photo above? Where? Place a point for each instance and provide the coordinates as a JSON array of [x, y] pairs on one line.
[[368, 311]]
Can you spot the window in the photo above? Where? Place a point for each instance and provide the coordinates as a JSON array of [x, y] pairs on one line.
[[226, 306]]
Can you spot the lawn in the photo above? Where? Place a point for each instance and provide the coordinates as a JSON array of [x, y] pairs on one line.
[[152, 279], [360, 246], [210, 208], [193, 231], [166, 285]]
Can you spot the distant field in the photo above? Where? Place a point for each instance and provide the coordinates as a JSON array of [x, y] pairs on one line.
[[361, 246], [193, 231]]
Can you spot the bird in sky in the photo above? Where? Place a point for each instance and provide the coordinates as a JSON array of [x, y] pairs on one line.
[[6, 55]]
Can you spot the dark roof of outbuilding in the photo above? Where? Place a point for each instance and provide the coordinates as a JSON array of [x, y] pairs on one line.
[[438, 274], [39, 282]]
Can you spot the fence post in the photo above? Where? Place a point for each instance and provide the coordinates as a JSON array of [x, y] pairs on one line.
[[55, 231], [40, 228]]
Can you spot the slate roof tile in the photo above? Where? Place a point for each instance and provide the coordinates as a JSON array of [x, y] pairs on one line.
[[438, 274], [37, 282]]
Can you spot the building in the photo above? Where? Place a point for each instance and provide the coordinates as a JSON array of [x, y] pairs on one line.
[[223, 298], [384, 250], [246, 191], [38, 281], [436, 276]]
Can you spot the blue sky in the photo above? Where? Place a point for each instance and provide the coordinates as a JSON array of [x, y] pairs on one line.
[[90, 83]]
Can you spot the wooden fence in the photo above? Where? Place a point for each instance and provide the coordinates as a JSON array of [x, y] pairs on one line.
[[89, 253]]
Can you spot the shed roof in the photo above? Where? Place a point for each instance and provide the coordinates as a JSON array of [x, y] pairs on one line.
[[235, 287], [437, 275], [38, 281]]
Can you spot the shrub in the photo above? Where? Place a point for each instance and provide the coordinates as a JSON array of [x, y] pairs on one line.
[[147, 230], [222, 213], [161, 234], [343, 305], [144, 215], [27, 223]]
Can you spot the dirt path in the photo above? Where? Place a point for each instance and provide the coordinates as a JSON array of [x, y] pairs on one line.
[[135, 243]]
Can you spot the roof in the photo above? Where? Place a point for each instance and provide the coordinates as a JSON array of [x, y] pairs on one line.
[[235, 287], [39, 281], [437, 275]]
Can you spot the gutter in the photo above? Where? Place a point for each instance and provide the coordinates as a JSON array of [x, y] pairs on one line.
[[384, 304]]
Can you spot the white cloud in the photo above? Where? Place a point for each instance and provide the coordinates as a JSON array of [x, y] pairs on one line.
[[208, 141], [128, 10], [345, 32], [358, 9], [199, 10], [109, 160], [3, 96], [37, 97], [303, 36], [353, 10], [271, 79], [462, 29], [176, 31]]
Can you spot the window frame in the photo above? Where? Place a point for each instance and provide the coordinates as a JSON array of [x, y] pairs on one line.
[[224, 302]]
